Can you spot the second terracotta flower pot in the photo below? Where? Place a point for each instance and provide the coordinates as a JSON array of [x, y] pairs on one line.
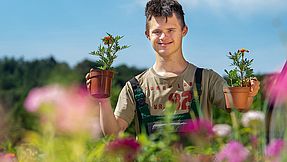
[[237, 97], [101, 83]]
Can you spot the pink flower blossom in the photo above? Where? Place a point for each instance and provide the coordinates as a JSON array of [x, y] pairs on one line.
[[274, 149], [196, 132], [198, 126], [277, 88], [233, 152], [70, 109], [8, 157], [38, 96], [126, 147]]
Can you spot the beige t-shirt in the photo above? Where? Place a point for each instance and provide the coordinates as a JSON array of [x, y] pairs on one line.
[[159, 90]]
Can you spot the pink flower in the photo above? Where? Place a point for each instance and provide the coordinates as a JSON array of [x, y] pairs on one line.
[[274, 149], [126, 147], [196, 132], [198, 126], [277, 88], [38, 96], [233, 152], [70, 109], [8, 157]]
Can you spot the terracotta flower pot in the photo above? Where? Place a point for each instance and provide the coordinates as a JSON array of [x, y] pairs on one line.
[[237, 97], [101, 83]]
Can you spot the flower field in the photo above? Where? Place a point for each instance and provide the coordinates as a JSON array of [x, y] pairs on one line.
[[68, 129]]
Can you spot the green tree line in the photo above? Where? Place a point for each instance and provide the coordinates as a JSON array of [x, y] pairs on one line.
[[18, 77]]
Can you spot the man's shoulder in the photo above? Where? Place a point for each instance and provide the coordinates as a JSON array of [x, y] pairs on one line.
[[143, 75], [211, 76], [139, 78], [208, 73]]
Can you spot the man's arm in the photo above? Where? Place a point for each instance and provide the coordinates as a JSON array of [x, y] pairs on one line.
[[254, 88], [110, 124]]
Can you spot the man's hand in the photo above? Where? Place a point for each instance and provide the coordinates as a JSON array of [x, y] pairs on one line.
[[254, 87], [88, 80]]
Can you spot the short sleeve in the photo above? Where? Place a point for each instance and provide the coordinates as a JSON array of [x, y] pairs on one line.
[[216, 86], [125, 108]]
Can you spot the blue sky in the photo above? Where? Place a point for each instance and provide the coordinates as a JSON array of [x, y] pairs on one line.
[[70, 29]]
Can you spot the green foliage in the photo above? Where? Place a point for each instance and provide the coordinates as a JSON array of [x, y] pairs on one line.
[[18, 77], [107, 52], [242, 72]]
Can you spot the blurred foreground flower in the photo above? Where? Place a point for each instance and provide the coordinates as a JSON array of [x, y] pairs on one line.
[[198, 126], [233, 152], [222, 130], [70, 110], [274, 150], [125, 148], [253, 118], [277, 87], [198, 132], [8, 157]]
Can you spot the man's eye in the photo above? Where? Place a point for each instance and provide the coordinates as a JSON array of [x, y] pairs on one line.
[[156, 32]]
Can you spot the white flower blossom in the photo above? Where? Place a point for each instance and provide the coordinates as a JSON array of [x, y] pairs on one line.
[[252, 116], [222, 130]]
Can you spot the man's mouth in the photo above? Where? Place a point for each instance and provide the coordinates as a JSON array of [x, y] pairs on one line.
[[164, 44]]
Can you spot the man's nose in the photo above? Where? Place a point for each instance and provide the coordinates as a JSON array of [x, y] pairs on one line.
[[163, 35]]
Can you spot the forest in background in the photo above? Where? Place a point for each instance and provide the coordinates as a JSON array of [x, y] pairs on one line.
[[18, 77]]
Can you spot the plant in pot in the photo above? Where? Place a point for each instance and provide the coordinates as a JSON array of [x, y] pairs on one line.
[[101, 77], [239, 79]]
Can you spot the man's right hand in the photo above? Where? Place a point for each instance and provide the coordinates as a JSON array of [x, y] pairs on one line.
[[109, 123], [88, 80]]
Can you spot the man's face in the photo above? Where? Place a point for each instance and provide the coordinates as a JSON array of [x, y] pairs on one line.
[[166, 36]]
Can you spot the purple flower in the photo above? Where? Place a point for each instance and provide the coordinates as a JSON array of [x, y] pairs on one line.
[[126, 147], [233, 152], [275, 148]]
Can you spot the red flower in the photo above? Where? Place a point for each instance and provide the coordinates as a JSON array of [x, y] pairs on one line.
[[243, 50], [108, 40]]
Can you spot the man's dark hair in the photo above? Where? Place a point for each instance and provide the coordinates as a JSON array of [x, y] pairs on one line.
[[164, 8]]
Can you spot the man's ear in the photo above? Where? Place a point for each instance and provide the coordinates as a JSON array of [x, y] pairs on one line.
[[184, 30], [147, 34]]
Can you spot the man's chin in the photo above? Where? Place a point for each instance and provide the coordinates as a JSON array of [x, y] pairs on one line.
[[163, 52]]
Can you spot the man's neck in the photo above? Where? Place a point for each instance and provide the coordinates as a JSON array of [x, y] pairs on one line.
[[170, 67]]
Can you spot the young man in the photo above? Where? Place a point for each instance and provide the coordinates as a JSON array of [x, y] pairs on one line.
[[171, 78]]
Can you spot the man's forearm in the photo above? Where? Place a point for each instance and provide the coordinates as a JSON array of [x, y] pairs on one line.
[[108, 122]]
